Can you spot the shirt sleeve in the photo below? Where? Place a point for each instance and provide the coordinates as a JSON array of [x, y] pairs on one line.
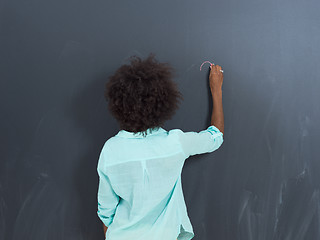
[[107, 198], [205, 141]]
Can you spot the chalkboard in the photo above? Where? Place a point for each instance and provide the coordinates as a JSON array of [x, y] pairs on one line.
[[55, 57]]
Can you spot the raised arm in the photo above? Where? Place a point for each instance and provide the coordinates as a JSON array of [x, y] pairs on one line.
[[216, 80]]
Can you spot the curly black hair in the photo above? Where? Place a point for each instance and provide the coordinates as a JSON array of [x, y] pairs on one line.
[[142, 95]]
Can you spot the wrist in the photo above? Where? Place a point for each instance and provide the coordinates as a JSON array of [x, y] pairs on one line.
[[216, 92]]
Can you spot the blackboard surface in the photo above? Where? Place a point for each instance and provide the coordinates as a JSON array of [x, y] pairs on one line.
[[55, 56]]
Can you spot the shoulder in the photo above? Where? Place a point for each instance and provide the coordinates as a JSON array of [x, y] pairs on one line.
[[111, 143], [107, 150], [106, 145]]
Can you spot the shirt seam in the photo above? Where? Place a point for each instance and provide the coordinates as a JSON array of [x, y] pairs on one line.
[[143, 159]]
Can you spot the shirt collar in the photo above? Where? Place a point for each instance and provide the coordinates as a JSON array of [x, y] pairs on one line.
[[150, 132]]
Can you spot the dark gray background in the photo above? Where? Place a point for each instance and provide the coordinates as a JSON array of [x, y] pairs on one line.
[[262, 184]]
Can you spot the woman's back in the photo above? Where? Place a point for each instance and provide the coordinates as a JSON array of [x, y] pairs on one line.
[[140, 190]]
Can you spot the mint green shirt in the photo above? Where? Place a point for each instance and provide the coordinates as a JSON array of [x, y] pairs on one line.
[[140, 195]]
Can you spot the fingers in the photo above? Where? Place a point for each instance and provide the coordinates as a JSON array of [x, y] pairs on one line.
[[217, 68]]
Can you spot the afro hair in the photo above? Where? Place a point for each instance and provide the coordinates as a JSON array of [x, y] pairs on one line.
[[142, 95]]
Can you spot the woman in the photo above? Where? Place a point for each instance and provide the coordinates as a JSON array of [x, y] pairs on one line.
[[140, 195]]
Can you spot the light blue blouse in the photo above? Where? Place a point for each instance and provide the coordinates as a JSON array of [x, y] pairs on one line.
[[140, 195]]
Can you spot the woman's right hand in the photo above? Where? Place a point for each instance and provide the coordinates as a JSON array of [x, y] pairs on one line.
[[215, 77]]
